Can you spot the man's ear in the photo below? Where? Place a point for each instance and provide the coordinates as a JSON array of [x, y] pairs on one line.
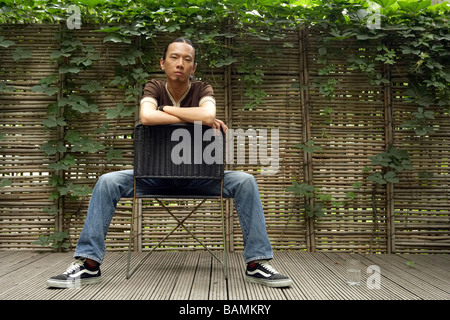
[[193, 69], [161, 62]]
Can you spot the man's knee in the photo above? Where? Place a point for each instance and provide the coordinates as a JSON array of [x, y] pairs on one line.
[[245, 180], [114, 179]]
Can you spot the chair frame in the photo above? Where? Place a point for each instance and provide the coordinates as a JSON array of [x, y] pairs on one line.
[[180, 223]]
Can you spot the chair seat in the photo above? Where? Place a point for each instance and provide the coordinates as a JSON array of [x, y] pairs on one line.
[[176, 196]]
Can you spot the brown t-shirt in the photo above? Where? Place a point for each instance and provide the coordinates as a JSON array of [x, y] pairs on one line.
[[155, 91]]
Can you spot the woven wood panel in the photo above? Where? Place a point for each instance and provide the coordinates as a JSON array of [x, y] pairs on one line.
[[348, 136], [410, 216], [90, 166], [422, 197], [22, 218], [280, 110]]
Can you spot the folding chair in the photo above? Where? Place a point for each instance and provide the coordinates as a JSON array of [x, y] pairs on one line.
[[178, 151]]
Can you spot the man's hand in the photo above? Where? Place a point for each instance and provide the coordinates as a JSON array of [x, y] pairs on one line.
[[219, 124]]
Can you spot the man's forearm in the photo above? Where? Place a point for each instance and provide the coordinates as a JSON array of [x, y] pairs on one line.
[[151, 117], [204, 114]]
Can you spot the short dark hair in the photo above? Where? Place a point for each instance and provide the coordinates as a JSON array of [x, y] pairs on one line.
[[184, 40]]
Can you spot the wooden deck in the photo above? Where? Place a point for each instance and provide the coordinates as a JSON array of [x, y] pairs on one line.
[[194, 275]]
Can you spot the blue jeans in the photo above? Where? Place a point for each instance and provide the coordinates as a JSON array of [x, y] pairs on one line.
[[111, 187]]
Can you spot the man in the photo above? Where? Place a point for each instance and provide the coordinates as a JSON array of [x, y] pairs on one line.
[[176, 100]]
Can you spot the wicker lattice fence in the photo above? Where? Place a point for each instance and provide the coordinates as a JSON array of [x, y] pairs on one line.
[[359, 122]]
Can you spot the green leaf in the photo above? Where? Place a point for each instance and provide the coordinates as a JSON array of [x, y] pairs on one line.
[[413, 6], [58, 166], [303, 189], [81, 190], [42, 241], [357, 185], [120, 111], [58, 54], [52, 210], [52, 147], [64, 163], [20, 53], [85, 144], [377, 177], [308, 147], [52, 121], [315, 211], [113, 154], [391, 177], [58, 239], [49, 80], [72, 136], [381, 159], [92, 86], [56, 180], [78, 103], [385, 3], [6, 43], [351, 195], [103, 128], [116, 39], [45, 89], [5, 88], [5, 183], [68, 69]]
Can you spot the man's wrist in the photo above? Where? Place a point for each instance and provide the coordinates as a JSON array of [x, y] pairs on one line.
[[161, 108]]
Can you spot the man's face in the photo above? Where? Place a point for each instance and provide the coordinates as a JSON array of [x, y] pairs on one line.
[[179, 64]]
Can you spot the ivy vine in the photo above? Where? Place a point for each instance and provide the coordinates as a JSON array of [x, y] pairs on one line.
[[413, 33]]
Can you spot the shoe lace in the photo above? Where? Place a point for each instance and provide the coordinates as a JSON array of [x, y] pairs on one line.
[[265, 264], [74, 266]]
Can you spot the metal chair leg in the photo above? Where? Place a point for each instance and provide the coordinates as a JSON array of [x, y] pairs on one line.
[[224, 235], [180, 223], [133, 217], [224, 261]]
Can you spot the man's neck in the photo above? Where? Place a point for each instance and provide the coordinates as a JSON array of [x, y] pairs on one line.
[[177, 89]]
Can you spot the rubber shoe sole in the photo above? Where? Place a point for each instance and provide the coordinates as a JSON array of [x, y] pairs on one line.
[[77, 283], [276, 283]]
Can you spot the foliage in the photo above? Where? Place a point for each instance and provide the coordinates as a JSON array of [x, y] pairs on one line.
[[409, 32], [55, 240], [395, 160]]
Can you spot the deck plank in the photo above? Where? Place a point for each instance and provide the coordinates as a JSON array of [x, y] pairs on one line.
[[410, 281], [195, 275]]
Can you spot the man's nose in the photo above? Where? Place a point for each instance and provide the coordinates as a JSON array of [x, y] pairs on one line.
[[180, 63]]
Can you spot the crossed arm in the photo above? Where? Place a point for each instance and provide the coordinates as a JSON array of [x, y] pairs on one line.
[[206, 113]]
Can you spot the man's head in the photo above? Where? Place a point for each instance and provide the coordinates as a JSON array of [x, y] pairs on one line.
[[179, 40], [178, 60]]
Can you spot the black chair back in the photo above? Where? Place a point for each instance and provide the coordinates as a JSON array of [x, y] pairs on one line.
[[179, 151]]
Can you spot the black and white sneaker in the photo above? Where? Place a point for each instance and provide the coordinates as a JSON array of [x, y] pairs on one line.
[[76, 275], [263, 273]]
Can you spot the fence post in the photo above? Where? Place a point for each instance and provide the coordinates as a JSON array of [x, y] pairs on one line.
[[306, 129], [229, 209], [59, 219], [389, 140]]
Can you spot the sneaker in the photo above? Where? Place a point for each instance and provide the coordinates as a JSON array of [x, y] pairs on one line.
[[263, 273], [76, 275]]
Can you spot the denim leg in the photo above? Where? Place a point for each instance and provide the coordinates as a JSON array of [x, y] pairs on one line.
[[243, 188], [109, 189]]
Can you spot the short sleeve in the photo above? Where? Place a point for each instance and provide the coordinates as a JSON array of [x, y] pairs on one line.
[[206, 93], [152, 92]]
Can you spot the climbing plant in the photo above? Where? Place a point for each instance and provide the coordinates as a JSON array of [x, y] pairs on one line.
[[412, 33]]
